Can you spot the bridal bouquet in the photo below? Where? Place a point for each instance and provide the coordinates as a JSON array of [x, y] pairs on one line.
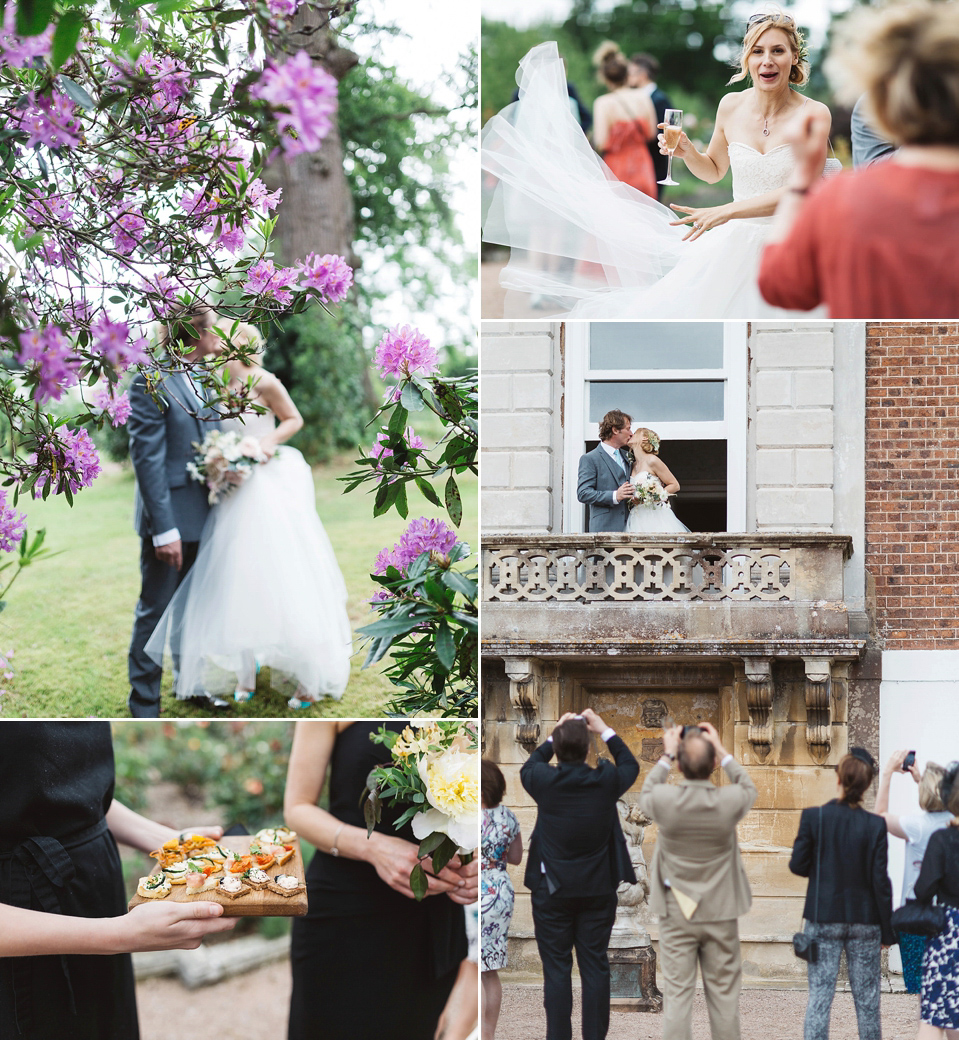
[[434, 773], [224, 461], [649, 491]]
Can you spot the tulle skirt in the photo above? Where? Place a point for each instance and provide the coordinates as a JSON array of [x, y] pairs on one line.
[[265, 591], [652, 519], [585, 245]]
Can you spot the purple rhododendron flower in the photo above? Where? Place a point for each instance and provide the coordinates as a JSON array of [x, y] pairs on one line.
[[331, 275], [51, 355], [75, 462], [127, 230], [117, 407], [303, 96], [12, 527], [17, 51], [282, 8], [232, 239], [111, 340], [50, 121], [165, 288], [403, 351], [261, 198], [49, 209], [263, 279], [421, 535]]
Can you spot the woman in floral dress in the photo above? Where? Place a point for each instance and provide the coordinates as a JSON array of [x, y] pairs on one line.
[[502, 843]]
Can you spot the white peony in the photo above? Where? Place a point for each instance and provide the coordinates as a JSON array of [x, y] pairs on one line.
[[452, 789]]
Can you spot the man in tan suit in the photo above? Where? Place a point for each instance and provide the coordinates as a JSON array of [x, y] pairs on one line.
[[698, 884]]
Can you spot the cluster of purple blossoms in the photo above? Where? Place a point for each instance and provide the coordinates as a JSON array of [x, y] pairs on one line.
[[49, 209], [128, 228], [265, 280], [73, 461], [261, 198], [50, 121], [19, 52], [117, 406], [421, 535], [282, 8], [380, 451], [330, 275], [164, 287], [51, 355], [404, 351], [111, 340], [303, 96], [13, 525]]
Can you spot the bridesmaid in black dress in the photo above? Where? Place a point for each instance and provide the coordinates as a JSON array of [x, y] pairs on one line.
[[61, 888], [368, 960]]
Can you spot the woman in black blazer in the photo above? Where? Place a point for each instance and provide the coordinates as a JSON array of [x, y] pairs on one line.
[[842, 849], [939, 877]]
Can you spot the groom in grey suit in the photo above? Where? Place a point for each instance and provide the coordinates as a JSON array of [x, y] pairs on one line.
[[170, 507], [604, 485]]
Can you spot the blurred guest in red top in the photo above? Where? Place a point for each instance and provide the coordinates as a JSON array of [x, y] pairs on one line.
[[883, 241]]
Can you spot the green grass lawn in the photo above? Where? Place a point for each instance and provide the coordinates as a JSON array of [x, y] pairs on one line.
[[69, 618]]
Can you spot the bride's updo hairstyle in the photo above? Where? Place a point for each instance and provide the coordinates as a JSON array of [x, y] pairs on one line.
[[906, 60], [648, 440], [756, 26], [611, 65]]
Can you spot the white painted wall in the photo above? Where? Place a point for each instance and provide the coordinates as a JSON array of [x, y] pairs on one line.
[[918, 708]]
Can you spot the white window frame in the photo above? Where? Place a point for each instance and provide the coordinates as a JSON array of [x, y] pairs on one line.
[[733, 428]]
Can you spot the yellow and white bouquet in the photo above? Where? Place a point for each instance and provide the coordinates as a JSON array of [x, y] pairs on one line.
[[434, 773]]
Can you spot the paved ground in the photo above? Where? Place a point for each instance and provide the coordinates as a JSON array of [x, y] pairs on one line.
[[227, 1010], [766, 1015]]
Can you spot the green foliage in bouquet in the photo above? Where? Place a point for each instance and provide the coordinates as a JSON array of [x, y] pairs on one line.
[[444, 808]]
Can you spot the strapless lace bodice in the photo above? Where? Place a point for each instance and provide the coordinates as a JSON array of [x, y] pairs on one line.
[[250, 424], [755, 173]]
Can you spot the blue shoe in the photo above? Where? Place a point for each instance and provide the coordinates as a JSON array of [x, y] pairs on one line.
[[242, 696], [297, 705]]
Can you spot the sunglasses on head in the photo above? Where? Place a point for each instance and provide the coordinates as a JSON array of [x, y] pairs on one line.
[[763, 16]]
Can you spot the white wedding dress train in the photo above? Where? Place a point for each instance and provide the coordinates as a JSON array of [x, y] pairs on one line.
[[265, 590], [585, 245], [653, 518]]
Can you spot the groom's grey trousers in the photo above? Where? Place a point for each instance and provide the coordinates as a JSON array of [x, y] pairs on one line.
[[158, 583]]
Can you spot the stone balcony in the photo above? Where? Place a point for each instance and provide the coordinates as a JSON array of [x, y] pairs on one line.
[[700, 595]]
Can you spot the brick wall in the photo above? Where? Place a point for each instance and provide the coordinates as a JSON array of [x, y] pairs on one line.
[[912, 483]]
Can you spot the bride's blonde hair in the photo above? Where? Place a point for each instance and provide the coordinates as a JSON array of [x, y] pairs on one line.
[[612, 69], [756, 26], [649, 442]]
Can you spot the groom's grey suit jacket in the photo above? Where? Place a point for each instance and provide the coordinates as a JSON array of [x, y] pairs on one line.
[[161, 445], [599, 477]]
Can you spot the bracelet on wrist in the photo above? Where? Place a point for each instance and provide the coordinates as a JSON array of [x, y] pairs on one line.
[[334, 851], [799, 191]]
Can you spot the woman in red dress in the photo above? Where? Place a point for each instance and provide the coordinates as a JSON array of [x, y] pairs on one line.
[[624, 121]]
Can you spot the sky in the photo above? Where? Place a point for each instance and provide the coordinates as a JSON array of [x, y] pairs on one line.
[[437, 32]]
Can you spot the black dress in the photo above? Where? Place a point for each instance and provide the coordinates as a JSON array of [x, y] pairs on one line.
[[367, 961], [56, 855]]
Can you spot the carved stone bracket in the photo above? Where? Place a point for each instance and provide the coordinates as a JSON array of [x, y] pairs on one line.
[[759, 702], [525, 676], [818, 707]]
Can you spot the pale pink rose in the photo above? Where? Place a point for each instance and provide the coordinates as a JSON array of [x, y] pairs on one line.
[[250, 447]]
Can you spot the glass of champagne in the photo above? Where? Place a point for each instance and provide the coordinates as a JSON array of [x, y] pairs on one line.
[[672, 131]]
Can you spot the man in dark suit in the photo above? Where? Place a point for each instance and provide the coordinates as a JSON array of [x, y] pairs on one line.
[[169, 507], [643, 71], [604, 485], [577, 858]]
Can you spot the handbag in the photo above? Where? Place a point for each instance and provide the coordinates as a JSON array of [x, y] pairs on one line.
[[915, 918], [804, 946]]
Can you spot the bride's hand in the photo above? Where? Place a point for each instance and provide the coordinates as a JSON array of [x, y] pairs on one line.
[[394, 860], [469, 873], [700, 219], [684, 148]]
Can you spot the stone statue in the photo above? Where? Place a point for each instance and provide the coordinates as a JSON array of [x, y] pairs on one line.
[[628, 930]]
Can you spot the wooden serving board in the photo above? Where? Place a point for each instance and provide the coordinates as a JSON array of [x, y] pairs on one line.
[[258, 902]]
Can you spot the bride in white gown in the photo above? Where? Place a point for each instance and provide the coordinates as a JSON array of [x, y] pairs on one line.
[[266, 590], [585, 245], [649, 472]]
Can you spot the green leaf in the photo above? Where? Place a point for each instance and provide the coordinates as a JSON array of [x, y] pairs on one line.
[[430, 843], [459, 583], [401, 507], [454, 504], [419, 882], [444, 853], [445, 647], [76, 93], [65, 38], [390, 627], [251, 37], [412, 398], [33, 16], [398, 419], [428, 491]]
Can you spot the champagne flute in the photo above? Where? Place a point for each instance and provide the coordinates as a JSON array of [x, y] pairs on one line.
[[672, 131]]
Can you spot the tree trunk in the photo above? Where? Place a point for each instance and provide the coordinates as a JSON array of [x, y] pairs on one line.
[[316, 213]]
